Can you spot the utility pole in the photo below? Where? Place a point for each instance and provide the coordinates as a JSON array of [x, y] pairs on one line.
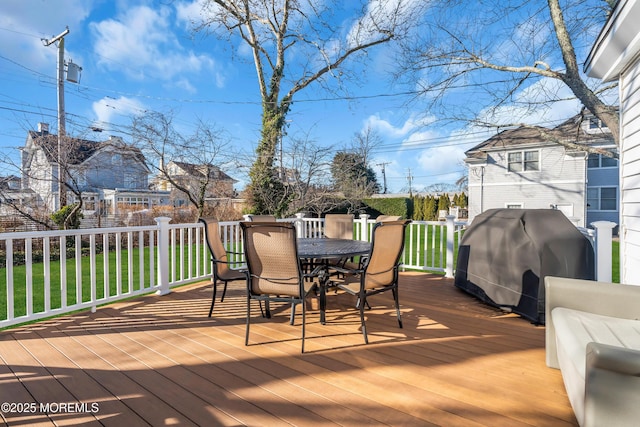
[[410, 180], [384, 176], [62, 193]]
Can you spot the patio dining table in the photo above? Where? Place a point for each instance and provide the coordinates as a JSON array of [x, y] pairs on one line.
[[325, 249]]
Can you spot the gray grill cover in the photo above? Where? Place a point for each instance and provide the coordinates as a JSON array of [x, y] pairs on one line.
[[505, 255]]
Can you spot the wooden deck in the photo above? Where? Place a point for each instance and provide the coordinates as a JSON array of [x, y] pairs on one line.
[[161, 361]]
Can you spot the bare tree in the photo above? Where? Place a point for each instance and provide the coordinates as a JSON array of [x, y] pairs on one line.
[[294, 44], [366, 142], [190, 164], [39, 168], [18, 204], [307, 176], [495, 53]]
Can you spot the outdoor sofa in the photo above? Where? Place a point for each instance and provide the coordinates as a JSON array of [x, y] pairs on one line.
[[593, 337]]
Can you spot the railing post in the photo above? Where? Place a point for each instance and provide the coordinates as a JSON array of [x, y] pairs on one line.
[[299, 225], [163, 255], [364, 227], [604, 259], [451, 228]]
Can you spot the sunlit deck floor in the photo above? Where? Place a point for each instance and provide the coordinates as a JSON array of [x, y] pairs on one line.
[[161, 361]]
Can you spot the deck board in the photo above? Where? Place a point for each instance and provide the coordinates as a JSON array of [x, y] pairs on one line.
[[159, 360]]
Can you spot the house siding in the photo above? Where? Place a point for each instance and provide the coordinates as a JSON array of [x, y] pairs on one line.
[[43, 179], [559, 183], [630, 175], [101, 172], [607, 177]]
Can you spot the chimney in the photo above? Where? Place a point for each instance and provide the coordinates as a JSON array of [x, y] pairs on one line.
[[43, 128]]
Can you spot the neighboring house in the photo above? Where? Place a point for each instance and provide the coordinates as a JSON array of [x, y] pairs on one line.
[[192, 177], [13, 195], [92, 168], [526, 168], [616, 56]]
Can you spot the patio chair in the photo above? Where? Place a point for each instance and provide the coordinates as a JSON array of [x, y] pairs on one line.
[[274, 273], [220, 259], [384, 218], [261, 218], [379, 272], [338, 226]]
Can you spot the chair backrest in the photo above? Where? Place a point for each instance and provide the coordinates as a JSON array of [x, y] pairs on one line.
[[338, 226], [262, 218], [384, 218], [271, 253], [387, 244], [214, 243]]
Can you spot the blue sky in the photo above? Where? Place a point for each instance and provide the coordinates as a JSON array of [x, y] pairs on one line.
[[139, 56]]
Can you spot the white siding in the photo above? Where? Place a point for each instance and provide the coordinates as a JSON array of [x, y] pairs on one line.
[[560, 181], [630, 175]]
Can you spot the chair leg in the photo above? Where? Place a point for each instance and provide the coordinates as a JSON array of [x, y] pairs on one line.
[[365, 301], [304, 314], [362, 297], [224, 291], [246, 337], [395, 298], [293, 313], [267, 310], [213, 298]]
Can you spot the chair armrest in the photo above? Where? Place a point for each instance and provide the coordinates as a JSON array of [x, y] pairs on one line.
[[607, 299], [218, 261], [611, 385], [622, 360], [316, 272], [346, 270]]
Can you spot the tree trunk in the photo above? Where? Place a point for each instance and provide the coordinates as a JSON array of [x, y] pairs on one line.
[[267, 190], [573, 79]]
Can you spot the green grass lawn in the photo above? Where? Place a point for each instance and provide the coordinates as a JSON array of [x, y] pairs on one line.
[[140, 279]]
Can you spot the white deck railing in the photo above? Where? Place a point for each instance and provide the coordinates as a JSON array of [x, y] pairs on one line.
[[55, 272]]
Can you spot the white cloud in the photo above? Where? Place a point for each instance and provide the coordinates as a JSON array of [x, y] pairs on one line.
[[441, 159], [534, 108], [42, 19], [109, 111], [140, 42], [381, 14], [387, 129], [189, 12]]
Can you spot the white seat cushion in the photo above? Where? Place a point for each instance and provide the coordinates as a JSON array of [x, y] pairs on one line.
[[574, 330]]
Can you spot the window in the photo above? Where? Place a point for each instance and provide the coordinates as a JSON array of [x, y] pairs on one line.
[[515, 162], [602, 199], [130, 180], [600, 161], [116, 159], [523, 161], [513, 205]]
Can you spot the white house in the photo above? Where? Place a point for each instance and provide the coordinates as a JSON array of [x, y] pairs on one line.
[[616, 56], [13, 196], [194, 177], [92, 167], [527, 168]]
